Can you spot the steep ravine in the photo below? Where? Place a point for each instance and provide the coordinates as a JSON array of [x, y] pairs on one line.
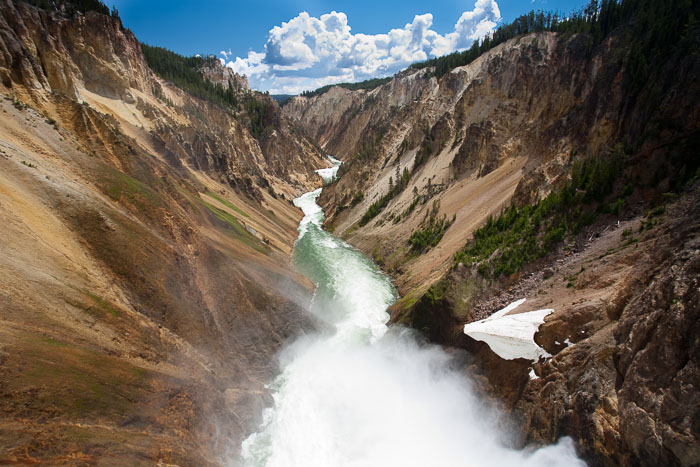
[[624, 296]]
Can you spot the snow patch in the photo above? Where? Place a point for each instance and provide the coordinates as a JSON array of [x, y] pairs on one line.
[[511, 336]]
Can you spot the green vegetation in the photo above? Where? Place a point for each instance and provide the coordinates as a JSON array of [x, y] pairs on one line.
[[629, 239], [394, 189], [430, 189], [227, 203], [367, 85], [357, 198], [184, 72], [377, 257], [51, 121], [410, 208], [374, 209], [241, 233], [406, 302], [82, 6], [228, 218], [658, 26], [436, 292], [103, 305], [521, 235], [259, 113], [118, 185], [650, 221], [430, 231], [571, 280], [157, 91], [139, 195], [282, 98]]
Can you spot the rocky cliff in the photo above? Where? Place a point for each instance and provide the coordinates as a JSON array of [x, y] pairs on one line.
[[508, 128], [145, 273], [215, 72]]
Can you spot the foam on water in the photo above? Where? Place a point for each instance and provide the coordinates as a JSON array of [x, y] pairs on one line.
[[329, 174]]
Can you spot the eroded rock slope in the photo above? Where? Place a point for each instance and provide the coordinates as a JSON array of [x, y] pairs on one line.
[[146, 284]]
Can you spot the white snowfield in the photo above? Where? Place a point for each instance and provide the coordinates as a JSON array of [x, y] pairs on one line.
[[510, 336]]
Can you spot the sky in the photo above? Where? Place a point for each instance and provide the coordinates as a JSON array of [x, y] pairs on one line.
[[286, 47]]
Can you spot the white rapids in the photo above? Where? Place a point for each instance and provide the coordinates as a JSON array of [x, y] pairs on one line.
[[329, 174]]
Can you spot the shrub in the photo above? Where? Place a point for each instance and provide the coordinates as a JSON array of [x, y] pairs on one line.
[[357, 198], [431, 230], [367, 85], [402, 179], [521, 235]]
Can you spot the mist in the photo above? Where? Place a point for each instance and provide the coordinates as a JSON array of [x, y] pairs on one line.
[[368, 395]]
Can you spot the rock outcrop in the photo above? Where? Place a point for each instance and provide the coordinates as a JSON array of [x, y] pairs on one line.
[[224, 76], [623, 376]]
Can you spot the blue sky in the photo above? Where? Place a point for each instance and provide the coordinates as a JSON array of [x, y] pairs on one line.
[[284, 50]]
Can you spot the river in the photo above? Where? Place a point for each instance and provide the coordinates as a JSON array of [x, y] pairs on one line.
[[371, 395]]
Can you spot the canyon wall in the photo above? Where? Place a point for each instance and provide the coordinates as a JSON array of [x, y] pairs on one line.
[[146, 284]]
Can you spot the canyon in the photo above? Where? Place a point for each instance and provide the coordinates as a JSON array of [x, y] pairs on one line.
[[147, 287]]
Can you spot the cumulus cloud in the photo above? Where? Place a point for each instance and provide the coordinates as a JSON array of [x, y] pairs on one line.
[[307, 52]]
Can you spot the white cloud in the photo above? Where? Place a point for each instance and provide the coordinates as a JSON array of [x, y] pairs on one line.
[[307, 52]]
